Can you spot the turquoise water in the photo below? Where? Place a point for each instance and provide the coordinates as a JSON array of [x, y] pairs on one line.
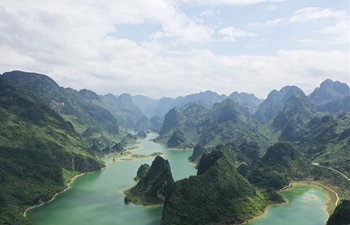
[[96, 198], [307, 207]]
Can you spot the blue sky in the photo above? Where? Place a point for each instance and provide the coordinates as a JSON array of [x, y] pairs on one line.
[[177, 47]]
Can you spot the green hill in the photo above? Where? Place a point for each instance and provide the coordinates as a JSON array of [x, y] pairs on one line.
[[291, 122], [218, 194], [329, 91], [328, 142], [341, 215], [275, 101], [83, 109], [280, 165], [123, 108], [153, 186], [223, 123], [39, 153]]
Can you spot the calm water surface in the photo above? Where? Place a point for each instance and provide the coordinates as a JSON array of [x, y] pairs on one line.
[[96, 198], [307, 207]]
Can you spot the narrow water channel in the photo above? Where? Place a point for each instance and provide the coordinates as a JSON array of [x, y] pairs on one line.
[[97, 199]]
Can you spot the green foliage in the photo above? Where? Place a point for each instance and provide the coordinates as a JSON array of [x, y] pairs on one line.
[[39, 152], [328, 142], [341, 215], [198, 151], [142, 171], [275, 101], [127, 141], [178, 140], [291, 122], [154, 186], [218, 194], [333, 180], [223, 123], [83, 109], [280, 165], [272, 196]]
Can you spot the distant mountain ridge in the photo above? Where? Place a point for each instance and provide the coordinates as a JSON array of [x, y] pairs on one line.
[[82, 109], [222, 123], [123, 108], [151, 107], [328, 91]]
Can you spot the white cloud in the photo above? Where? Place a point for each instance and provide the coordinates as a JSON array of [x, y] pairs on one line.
[[339, 30], [77, 44], [207, 13], [312, 13], [269, 23], [231, 34], [271, 7], [307, 42], [229, 2]]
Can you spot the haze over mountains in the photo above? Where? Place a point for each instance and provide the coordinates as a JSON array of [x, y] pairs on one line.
[[50, 133]]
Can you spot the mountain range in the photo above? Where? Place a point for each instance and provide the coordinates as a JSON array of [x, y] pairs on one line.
[[49, 134]]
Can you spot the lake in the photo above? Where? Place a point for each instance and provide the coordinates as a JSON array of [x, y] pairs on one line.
[[97, 198]]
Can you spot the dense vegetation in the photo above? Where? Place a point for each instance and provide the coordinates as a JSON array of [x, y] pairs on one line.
[[45, 131], [141, 172], [83, 109], [280, 165], [328, 142], [126, 142], [153, 186], [218, 194], [341, 215], [223, 123], [275, 101], [39, 153]]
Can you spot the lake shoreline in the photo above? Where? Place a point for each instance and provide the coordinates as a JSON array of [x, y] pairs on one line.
[[292, 185], [330, 192], [60, 192]]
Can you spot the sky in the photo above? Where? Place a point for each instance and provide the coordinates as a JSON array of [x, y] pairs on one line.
[[173, 48]]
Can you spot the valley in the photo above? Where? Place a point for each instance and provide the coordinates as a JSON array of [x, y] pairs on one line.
[[206, 158]]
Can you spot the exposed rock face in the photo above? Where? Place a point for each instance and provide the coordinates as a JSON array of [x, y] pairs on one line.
[[217, 195], [153, 187]]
